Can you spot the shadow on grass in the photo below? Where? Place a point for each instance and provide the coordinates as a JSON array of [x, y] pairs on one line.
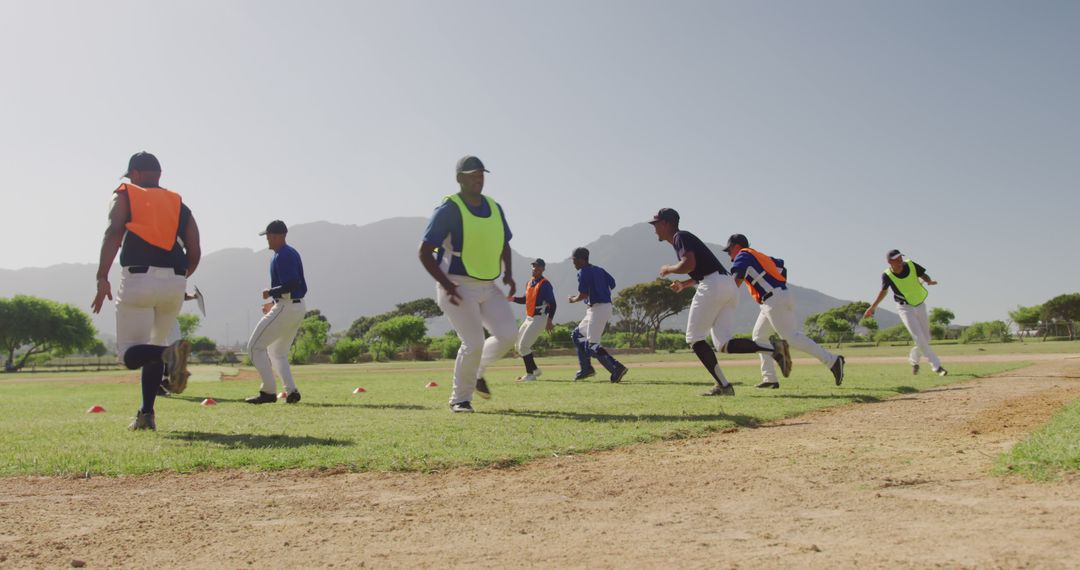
[[198, 399], [250, 441], [391, 406], [737, 419]]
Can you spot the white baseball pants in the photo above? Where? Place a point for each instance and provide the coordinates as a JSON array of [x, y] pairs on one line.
[[530, 330], [712, 311], [778, 314], [270, 342], [918, 324], [482, 305], [146, 307], [596, 318]]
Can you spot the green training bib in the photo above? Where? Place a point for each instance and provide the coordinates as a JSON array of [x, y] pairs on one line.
[[482, 240], [910, 287]]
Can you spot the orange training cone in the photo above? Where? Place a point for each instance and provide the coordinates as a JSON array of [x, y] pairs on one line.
[[209, 402], [359, 390], [96, 410], [432, 384], [282, 395]]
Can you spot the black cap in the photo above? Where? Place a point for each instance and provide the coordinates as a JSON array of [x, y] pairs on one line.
[[580, 253], [736, 239], [893, 254], [469, 164], [539, 262], [142, 161], [275, 227], [666, 215]]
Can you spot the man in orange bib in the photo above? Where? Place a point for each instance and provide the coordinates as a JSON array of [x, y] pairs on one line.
[[158, 241], [539, 301]]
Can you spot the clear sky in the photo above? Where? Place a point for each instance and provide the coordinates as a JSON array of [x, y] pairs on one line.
[[827, 131]]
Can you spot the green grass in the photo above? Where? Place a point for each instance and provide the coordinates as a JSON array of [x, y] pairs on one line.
[[401, 425], [1049, 451]]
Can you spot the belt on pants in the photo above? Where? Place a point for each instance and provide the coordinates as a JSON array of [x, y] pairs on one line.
[[146, 268], [766, 296], [279, 300]]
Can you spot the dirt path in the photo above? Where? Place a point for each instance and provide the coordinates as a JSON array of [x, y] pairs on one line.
[[899, 484]]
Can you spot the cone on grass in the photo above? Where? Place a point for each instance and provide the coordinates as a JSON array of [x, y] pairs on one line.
[[359, 390], [209, 402], [96, 410], [282, 395], [432, 384]]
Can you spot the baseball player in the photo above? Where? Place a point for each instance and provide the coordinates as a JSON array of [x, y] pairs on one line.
[[766, 278], [272, 337], [465, 248], [594, 288], [158, 241], [539, 300], [903, 276], [713, 307]]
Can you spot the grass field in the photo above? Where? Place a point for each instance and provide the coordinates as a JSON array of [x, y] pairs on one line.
[[1048, 452], [398, 424]]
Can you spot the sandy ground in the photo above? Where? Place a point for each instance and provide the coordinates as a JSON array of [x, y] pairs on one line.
[[902, 483]]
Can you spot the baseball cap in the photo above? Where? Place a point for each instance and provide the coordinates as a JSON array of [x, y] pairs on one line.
[[470, 163], [580, 253], [275, 227], [539, 262], [142, 161], [666, 215], [893, 254], [737, 239]]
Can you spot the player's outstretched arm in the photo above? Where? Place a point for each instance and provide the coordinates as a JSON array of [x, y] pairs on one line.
[[873, 306]]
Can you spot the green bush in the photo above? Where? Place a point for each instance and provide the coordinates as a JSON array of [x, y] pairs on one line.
[[445, 346], [893, 333], [986, 332], [347, 350], [202, 344]]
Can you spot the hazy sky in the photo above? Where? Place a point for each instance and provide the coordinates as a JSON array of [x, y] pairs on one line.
[[827, 131]]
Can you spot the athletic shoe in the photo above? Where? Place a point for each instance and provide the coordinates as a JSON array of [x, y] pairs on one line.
[[175, 357], [482, 389], [143, 421], [266, 398], [764, 384], [461, 407], [536, 373], [527, 378], [914, 369], [782, 356], [719, 390], [293, 397], [583, 374], [838, 370], [617, 376], [942, 372]]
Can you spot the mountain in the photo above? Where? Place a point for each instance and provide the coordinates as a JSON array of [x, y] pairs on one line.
[[365, 270]]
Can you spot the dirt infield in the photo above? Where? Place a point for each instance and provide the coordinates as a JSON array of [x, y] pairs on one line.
[[902, 483]]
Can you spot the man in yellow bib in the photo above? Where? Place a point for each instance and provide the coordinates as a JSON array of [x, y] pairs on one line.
[[465, 249], [903, 277], [158, 241]]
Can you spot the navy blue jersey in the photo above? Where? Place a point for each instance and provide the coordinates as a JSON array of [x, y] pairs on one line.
[[287, 274], [446, 223], [887, 283], [705, 261], [597, 283], [745, 266]]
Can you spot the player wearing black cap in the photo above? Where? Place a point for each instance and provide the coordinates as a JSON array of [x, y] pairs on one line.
[[539, 301], [712, 310], [903, 277]]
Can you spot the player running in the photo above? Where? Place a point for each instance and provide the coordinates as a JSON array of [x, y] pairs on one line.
[[273, 336], [472, 240], [594, 287], [903, 276], [713, 307], [158, 241], [539, 301], [766, 278]]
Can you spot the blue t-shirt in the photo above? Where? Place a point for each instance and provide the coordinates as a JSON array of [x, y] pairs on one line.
[[705, 261], [746, 266], [545, 299], [287, 274], [446, 223], [592, 279]]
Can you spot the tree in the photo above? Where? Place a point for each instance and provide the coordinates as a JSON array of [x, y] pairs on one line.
[[425, 308], [893, 333], [399, 332], [98, 348], [837, 329], [1026, 318], [1063, 309], [941, 316], [189, 323], [202, 344], [310, 339], [871, 326], [836, 324], [650, 303], [41, 325]]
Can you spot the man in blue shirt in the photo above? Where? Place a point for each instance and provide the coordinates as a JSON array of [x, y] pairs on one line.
[[766, 279], [713, 309], [539, 301], [465, 249], [273, 336], [594, 287]]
